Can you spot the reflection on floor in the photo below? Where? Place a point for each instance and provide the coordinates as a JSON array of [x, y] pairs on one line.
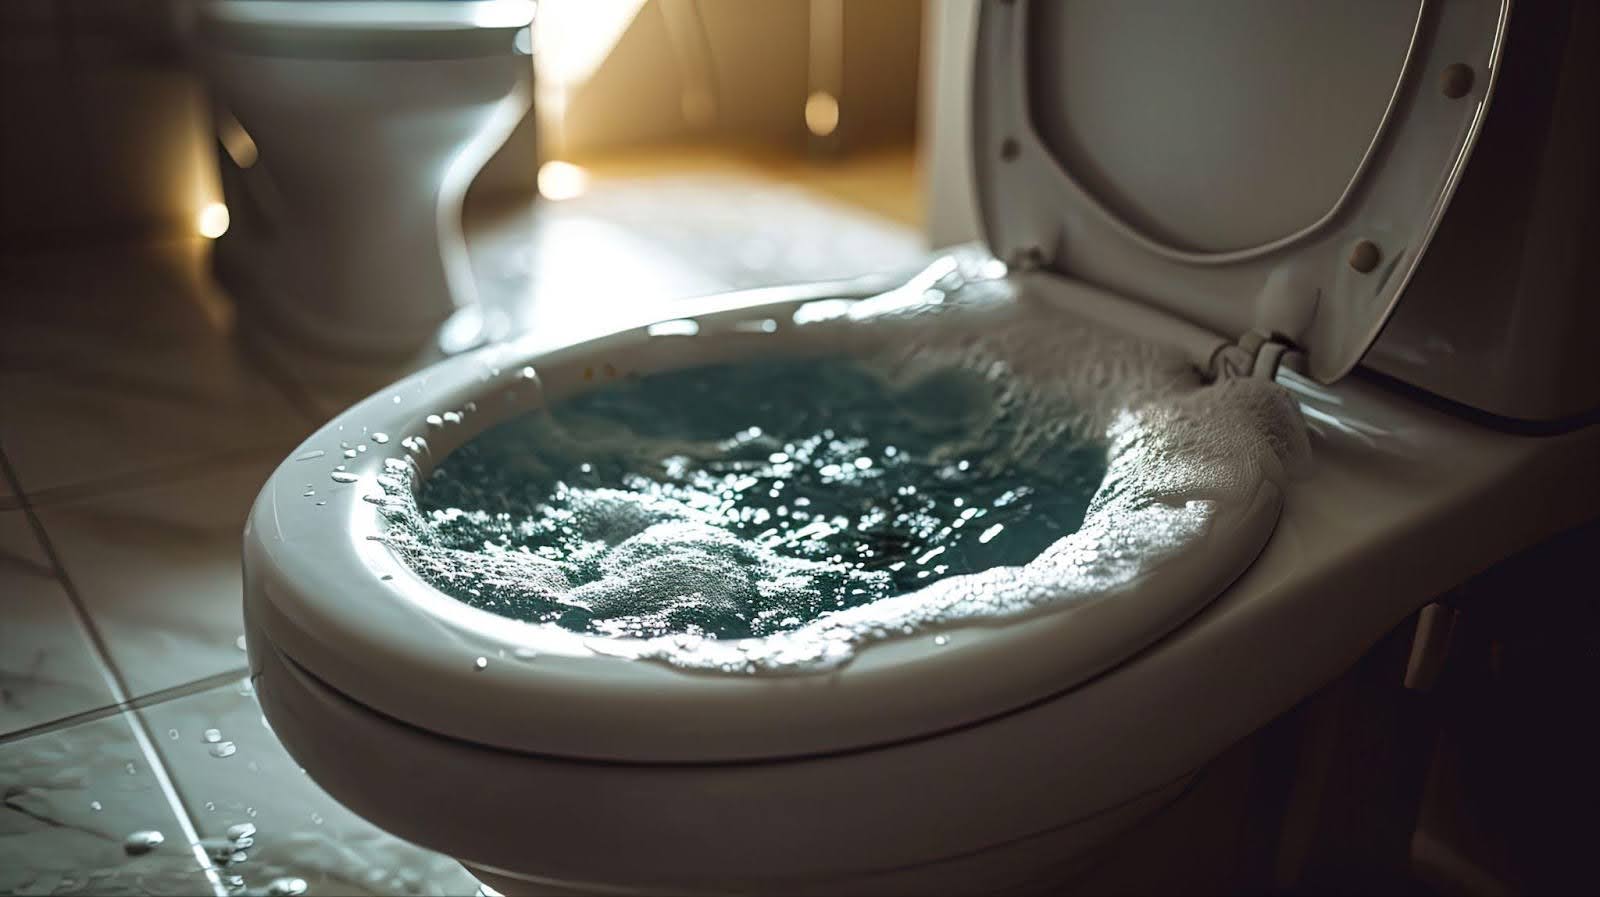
[[137, 422]]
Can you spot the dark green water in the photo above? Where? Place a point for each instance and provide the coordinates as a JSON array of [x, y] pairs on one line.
[[741, 500]]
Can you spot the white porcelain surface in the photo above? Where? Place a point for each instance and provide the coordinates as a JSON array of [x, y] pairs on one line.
[[71, 799], [246, 777], [157, 569], [119, 364], [48, 668]]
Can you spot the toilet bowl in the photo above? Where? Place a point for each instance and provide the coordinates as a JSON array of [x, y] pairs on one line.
[[988, 738], [352, 131]]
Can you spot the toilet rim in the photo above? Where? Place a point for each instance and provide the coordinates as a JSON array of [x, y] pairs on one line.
[[342, 29], [345, 608]]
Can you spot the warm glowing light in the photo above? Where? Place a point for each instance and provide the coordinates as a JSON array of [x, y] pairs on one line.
[[236, 141], [822, 113], [213, 220], [562, 180]]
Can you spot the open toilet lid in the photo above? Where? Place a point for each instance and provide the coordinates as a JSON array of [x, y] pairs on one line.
[[1246, 165]]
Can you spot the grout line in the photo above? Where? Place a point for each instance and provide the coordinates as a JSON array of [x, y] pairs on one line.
[[147, 700], [118, 687]]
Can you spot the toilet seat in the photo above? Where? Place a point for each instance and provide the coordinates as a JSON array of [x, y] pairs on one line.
[[354, 30], [349, 611]]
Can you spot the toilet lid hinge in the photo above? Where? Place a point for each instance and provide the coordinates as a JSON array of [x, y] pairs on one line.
[[1256, 354]]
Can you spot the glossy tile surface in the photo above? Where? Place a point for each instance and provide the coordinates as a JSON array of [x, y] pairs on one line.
[[157, 569], [124, 364], [48, 667], [245, 778], [72, 798]]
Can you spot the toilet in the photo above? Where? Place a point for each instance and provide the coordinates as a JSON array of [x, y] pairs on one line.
[[350, 132], [1252, 187]]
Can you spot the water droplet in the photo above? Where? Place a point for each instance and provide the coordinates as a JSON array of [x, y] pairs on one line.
[[241, 830], [349, 453], [240, 643], [341, 476], [172, 734], [310, 456], [234, 881], [96, 806], [288, 886], [250, 811], [990, 533], [132, 768], [244, 843], [211, 806], [308, 493], [941, 640], [140, 843], [224, 749], [395, 399], [434, 420], [386, 577], [361, 448], [316, 818], [212, 736], [380, 438], [481, 664]]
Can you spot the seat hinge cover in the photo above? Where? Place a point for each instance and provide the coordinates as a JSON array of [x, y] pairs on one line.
[[1256, 354]]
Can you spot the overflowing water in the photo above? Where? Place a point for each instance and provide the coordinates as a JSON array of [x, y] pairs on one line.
[[962, 458], [735, 501]]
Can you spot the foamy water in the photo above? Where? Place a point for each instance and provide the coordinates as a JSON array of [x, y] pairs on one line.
[[971, 460]]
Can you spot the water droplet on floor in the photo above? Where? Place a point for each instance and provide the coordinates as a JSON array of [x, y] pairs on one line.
[[287, 887], [341, 476], [96, 806], [140, 843], [240, 643], [941, 640], [380, 438], [211, 806], [234, 881], [308, 493], [242, 830], [212, 736], [349, 453], [386, 577], [172, 734], [310, 456], [434, 420], [250, 811], [316, 818], [481, 664], [132, 768], [321, 503], [245, 842], [224, 749]]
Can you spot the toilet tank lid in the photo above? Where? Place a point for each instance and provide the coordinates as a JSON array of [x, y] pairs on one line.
[[1246, 165], [350, 29]]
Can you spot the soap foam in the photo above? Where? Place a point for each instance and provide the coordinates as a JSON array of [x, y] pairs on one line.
[[657, 572]]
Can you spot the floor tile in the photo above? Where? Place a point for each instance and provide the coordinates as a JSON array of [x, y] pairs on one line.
[[157, 570], [125, 364], [72, 798], [245, 777], [48, 668]]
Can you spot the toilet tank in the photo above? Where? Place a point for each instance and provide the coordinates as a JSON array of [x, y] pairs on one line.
[[1503, 312]]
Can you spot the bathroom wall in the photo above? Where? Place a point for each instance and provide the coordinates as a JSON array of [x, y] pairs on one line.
[[755, 62], [101, 123]]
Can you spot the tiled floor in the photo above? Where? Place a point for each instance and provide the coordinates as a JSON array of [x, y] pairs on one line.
[[136, 425]]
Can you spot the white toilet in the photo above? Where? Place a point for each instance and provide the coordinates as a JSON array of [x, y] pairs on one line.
[[1251, 187], [352, 130]]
